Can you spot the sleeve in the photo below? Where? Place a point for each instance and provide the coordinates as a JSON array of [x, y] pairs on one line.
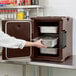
[[8, 41]]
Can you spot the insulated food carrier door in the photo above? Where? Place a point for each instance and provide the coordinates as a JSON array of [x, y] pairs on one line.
[[21, 30]]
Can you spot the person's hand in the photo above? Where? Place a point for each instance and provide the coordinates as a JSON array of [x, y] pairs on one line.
[[39, 44]]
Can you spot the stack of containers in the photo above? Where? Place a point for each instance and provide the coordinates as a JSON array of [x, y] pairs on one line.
[[49, 41]]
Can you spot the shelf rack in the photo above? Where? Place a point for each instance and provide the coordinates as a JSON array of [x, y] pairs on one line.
[[26, 8]]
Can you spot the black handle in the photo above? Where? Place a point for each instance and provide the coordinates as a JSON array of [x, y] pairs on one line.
[[63, 38]]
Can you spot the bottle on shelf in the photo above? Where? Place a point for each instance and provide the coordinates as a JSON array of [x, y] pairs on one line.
[[21, 2], [5, 14], [1, 14], [35, 2], [27, 2], [26, 16], [14, 14]]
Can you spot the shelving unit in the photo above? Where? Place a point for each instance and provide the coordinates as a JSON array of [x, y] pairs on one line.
[[26, 9]]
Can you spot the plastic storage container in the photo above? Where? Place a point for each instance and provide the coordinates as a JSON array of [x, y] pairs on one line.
[[52, 51], [49, 41], [48, 29]]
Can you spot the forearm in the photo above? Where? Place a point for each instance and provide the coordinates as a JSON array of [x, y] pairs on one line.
[[29, 44], [11, 42], [35, 44]]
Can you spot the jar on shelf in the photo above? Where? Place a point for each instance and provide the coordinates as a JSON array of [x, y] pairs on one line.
[[20, 14]]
